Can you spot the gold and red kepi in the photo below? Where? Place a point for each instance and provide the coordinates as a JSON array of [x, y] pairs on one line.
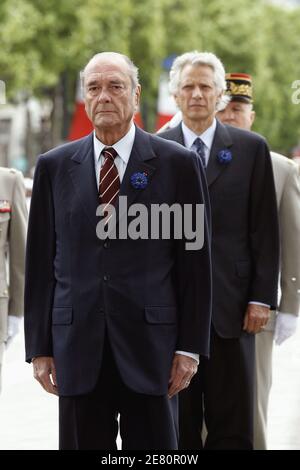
[[239, 87]]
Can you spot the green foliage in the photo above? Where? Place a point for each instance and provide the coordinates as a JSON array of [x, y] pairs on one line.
[[249, 36], [279, 66], [43, 40], [147, 51]]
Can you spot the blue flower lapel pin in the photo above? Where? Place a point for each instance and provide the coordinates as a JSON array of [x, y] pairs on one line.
[[224, 156], [139, 180]]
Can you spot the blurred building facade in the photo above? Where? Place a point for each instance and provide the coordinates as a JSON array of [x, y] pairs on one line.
[[23, 133]]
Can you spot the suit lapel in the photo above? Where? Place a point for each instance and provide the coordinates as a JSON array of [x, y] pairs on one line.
[[141, 152], [222, 141], [138, 163], [176, 134], [82, 173]]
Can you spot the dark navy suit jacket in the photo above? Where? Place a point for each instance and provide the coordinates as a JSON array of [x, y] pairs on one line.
[[151, 297], [245, 235]]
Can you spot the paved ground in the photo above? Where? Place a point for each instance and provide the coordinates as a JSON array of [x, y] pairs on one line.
[[28, 416], [284, 410]]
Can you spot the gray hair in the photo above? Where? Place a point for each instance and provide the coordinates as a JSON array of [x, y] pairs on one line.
[[197, 58], [133, 70]]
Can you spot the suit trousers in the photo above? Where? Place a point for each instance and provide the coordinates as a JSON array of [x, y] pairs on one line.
[[90, 422], [263, 369], [221, 393]]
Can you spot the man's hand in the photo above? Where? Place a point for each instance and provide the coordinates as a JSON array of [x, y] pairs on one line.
[[183, 369], [45, 373], [13, 327], [286, 325], [256, 318]]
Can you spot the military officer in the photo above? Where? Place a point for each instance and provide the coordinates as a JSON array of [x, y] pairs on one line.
[[282, 324]]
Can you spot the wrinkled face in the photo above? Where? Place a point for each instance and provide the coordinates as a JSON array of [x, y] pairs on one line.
[[197, 94], [237, 114], [110, 101]]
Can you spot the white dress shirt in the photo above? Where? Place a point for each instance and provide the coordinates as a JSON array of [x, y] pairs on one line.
[[123, 148], [207, 138]]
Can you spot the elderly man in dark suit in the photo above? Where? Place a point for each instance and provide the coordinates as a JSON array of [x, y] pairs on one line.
[[114, 326], [245, 251], [239, 112]]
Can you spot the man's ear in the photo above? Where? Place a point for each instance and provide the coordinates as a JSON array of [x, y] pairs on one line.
[[137, 96], [221, 102], [86, 111], [252, 117], [176, 99]]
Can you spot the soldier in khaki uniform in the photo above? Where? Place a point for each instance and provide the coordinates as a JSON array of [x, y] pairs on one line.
[[283, 323], [13, 221]]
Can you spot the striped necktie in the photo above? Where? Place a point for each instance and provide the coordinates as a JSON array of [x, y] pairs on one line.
[[199, 146], [109, 185]]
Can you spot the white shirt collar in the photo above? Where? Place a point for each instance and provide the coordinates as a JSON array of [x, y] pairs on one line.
[[123, 147], [207, 137]]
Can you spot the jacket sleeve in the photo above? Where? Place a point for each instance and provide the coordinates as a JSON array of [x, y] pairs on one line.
[[194, 277], [39, 279]]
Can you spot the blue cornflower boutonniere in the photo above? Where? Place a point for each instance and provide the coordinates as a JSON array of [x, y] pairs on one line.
[[224, 156], [139, 180]]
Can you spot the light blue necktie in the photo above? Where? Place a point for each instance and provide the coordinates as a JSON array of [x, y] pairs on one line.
[[199, 146]]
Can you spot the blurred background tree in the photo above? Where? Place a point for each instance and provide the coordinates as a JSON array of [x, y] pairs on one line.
[[44, 44]]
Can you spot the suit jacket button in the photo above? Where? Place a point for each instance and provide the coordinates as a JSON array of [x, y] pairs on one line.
[[106, 278], [105, 244]]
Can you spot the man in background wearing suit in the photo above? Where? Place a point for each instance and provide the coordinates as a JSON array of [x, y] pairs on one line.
[[13, 224], [245, 246], [282, 324], [114, 326]]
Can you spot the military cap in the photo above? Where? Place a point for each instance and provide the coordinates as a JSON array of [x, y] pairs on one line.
[[239, 87]]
